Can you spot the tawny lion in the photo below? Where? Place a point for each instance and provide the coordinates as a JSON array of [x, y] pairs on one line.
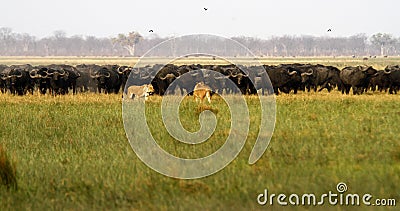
[[140, 91], [201, 91]]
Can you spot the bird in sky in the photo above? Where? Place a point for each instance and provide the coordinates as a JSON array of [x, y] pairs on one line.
[[329, 30], [150, 30], [205, 9]]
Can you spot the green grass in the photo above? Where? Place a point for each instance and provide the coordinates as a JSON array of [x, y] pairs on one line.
[[71, 152]]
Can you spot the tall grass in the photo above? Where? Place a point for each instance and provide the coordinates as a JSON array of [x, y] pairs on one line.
[[73, 153]]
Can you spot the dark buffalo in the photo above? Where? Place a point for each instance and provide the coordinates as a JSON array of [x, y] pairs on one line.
[[226, 71], [40, 77], [58, 81], [241, 79], [140, 76], [295, 83], [280, 77], [17, 80], [188, 81], [3, 87], [381, 81], [357, 78], [107, 80], [165, 82], [72, 76], [324, 76], [257, 80], [85, 83], [164, 77], [124, 72], [394, 78], [216, 81]]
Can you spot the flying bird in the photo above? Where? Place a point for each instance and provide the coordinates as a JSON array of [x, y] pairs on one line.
[[329, 30], [205, 9], [150, 30]]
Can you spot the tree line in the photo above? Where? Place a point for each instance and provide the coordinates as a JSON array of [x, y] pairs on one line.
[[134, 44]]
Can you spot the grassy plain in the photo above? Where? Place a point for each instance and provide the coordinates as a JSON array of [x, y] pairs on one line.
[[71, 152]]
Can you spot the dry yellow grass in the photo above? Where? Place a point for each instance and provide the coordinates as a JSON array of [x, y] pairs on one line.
[[38, 98], [339, 62]]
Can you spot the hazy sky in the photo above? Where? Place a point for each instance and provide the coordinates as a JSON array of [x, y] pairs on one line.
[[259, 18]]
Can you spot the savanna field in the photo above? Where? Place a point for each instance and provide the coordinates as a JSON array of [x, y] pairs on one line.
[[71, 152]]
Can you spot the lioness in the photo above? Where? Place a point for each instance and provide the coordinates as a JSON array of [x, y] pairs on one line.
[[140, 91], [201, 91]]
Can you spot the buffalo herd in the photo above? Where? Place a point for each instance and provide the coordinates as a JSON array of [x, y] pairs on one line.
[[64, 79]]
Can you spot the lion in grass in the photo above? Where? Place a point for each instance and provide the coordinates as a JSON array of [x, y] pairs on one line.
[[201, 91], [140, 91]]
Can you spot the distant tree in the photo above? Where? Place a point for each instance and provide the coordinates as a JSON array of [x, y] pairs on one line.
[[75, 46], [59, 34], [128, 41], [60, 43], [7, 41], [5, 33], [132, 43], [358, 43], [149, 42], [397, 47], [46, 44], [27, 41], [383, 41]]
